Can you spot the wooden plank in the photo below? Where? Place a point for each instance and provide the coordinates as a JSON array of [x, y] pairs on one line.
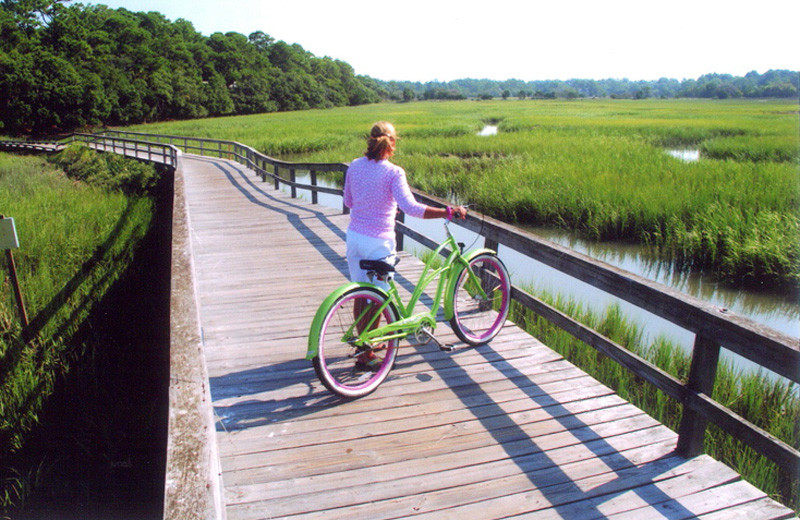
[[762, 508], [474, 465], [448, 489]]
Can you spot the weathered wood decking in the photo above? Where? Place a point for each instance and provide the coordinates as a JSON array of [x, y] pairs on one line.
[[507, 429]]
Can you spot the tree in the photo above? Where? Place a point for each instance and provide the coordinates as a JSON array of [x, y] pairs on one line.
[[643, 92], [30, 15], [251, 94], [261, 41]]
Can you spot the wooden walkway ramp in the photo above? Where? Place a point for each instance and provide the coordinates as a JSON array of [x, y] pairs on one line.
[[507, 429]]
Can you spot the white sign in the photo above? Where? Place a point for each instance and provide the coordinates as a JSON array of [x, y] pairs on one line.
[[8, 234]]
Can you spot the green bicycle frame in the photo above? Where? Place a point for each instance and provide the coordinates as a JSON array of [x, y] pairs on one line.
[[447, 274]]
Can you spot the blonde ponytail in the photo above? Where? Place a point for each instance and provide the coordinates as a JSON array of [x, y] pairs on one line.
[[381, 141]]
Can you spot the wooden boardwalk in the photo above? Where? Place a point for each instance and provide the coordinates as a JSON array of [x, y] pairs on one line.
[[506, 429]]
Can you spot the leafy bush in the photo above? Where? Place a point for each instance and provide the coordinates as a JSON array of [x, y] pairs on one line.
[[110, 171]]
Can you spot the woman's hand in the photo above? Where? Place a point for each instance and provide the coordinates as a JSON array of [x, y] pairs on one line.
[[459, 212]]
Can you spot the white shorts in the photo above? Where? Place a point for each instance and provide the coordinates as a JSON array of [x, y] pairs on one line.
[[361, 247]]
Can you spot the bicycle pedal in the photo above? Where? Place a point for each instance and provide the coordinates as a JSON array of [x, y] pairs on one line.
[[446, 348]]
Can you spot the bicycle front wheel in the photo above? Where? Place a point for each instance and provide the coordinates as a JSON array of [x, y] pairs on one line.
[[343, 366], [480, 313]]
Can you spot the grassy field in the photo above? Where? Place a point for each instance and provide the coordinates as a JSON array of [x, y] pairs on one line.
[[76, 239], [598, 167]]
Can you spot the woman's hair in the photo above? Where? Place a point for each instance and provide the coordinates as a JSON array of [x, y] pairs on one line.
[[380, 143]]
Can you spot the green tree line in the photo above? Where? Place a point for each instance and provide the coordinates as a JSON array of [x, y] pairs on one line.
[[773, 83], [69, 66], [64, 67]]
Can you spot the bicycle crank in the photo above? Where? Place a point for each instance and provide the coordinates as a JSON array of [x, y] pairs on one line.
[[424, 336]]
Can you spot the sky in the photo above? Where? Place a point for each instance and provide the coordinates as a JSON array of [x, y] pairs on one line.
[[444, 40]]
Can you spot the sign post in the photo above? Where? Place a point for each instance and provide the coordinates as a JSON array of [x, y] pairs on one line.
[[9, 241]]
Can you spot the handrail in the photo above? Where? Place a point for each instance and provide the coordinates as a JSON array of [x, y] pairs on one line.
[[133, 148], [714, 328], [252, 159]]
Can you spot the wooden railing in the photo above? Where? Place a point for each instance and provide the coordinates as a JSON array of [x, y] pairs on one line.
[[714, 328], [134, 148], [263, 165]]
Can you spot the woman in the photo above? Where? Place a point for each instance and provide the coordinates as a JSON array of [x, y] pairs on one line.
[[373, 190]]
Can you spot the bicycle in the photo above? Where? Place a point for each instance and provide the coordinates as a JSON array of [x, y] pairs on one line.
[[357, 329]]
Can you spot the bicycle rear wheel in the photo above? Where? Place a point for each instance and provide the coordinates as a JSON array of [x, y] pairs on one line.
[[343, 367], [476, 320]]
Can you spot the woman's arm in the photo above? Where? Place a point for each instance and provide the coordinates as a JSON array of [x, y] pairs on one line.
[[448, 212], [405, 199]]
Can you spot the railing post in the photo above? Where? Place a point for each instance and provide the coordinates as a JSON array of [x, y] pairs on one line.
[[263, 167], [293, 179], [277, 172], [702, 373], [314, 197], [399, 235], [345, 209]]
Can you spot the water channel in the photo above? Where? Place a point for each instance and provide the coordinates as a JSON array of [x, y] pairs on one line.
[[779, 312]]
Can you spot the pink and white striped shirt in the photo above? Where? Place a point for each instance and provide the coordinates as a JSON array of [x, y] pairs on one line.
[[373, 190]]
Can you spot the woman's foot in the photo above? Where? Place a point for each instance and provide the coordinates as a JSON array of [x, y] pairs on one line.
[[368, 361]]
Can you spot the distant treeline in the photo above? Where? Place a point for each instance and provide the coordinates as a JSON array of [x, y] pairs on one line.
[[773, 83], [65, 67]]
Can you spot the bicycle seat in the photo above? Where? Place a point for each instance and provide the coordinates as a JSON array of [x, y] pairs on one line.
[[379, 267]]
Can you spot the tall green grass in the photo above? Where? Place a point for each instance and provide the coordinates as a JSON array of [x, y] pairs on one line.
[[771, 404], [597, 167], [75, 241]]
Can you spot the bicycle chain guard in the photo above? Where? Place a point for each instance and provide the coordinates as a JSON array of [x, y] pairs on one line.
[[424, 334]]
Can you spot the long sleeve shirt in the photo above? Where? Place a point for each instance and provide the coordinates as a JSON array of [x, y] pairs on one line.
[[373, 190]]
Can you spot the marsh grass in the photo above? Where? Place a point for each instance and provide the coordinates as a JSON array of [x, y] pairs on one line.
[[767, 402], [596, 167], [75, 241]]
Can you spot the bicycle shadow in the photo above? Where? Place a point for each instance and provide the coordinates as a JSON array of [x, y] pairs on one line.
[[292, 378]]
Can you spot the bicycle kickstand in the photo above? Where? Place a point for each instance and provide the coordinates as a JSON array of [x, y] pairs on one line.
[[444, 347]]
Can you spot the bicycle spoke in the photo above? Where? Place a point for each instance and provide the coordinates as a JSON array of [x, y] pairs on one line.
[[477, 318], [345, 365]]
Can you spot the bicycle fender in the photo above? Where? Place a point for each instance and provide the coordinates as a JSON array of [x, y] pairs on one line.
[[449, 304], [319, 317]]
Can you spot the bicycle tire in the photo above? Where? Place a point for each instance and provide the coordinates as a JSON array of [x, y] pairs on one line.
[[476, 321], [336, 362]]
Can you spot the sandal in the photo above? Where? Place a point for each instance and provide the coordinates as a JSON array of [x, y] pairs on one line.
[[368, 361]]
